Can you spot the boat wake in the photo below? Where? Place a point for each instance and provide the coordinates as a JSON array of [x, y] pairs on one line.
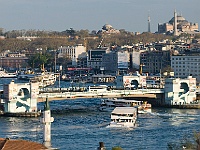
[[173, 115]]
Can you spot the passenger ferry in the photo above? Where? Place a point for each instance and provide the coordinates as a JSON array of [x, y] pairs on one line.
[[110, 103], [123, 117]]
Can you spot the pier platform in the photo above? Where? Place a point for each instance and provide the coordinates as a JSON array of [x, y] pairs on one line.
[[22, 114]]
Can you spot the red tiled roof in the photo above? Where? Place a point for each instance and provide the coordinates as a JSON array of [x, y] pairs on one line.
[[7, 144]]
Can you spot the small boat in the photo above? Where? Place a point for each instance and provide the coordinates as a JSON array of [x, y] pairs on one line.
[[110, 103], [144, 108], [26, 75], [4, 74], [123, 117]]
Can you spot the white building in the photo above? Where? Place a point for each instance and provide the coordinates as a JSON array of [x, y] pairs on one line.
[[72, 52], [20, 97], [180, 91], [135, 59], [131, 81], [123, 60], [185, 65]]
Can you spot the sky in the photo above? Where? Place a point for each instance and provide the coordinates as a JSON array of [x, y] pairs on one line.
[[60, 15]]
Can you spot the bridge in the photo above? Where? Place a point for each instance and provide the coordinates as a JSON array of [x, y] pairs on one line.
[[57, 94]]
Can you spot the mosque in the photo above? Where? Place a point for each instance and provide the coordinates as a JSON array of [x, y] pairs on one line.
[[107, 28], [177, 25]]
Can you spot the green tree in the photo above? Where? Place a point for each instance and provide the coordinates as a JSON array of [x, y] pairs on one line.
[[39, 60]]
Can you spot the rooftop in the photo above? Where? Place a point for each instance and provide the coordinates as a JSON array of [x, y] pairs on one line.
[[8, 144]]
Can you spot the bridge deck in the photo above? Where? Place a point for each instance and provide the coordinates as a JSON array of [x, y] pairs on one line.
[[58, 95]]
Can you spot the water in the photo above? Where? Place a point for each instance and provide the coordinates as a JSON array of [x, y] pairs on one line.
[[79, 125]]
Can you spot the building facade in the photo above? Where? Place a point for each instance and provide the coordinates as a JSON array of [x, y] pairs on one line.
[[177, 25], [72, 52], [13, 61], [135, 55], [185, 65], [154, 61], [94, 59], [116, 62], [180, 91]]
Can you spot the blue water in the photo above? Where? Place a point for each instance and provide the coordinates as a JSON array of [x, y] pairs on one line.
[[79, 125]]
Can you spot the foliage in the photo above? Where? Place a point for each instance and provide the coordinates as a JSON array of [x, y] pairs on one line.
[[167, 69], [117, 148], [64, 61], [39, 59], [53, 39]]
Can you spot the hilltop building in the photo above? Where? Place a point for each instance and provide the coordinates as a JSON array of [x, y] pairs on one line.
[[108, 29], [177, 25]]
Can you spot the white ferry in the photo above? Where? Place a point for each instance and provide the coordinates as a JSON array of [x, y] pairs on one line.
[[123, 117], [110, 103], [45, 79]]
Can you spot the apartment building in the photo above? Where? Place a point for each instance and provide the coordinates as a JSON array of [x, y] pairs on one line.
[[154, 61], [185, 65], [72, 52]]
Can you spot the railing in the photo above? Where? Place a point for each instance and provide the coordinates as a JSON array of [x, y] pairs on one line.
[[59, 94]]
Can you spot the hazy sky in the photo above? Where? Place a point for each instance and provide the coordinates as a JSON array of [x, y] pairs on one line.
[[59, 15]]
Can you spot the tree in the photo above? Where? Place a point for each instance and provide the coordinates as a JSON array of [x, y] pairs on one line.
[[71, 32], [39, 60], [167, 69], [117, 148], [64, 61]]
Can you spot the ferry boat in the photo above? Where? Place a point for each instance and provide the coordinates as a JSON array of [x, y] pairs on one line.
[[45, 79], [110, 103], [123, 117]]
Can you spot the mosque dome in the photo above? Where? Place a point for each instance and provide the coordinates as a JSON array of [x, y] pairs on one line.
[[180, 19], [107, 27]]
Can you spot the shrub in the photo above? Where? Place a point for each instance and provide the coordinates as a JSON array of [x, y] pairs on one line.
[[117, 148]]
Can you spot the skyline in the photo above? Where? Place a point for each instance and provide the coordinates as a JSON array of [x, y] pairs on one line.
[[131, 15]]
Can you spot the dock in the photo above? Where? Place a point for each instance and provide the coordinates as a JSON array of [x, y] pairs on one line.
[[21, 114], [55, 94]]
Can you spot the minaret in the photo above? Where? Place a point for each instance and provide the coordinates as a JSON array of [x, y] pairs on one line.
[[149, 25], [175, 23], [46, 120]]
